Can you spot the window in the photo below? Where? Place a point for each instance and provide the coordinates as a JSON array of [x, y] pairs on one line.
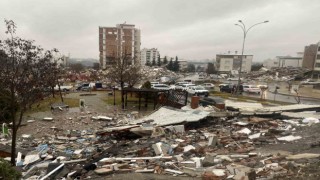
[[317, 65], [318, 56], [318, 48]]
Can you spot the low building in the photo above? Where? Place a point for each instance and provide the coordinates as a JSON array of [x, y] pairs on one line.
[[183, 65], [228, 62]]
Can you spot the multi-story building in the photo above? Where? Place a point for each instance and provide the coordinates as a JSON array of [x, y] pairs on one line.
[[148, 55], [283, 61], [309, 56], [311, 59], [120, 42], [228, 62]]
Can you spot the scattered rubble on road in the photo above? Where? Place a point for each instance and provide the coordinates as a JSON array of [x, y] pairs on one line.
[[185, 142]]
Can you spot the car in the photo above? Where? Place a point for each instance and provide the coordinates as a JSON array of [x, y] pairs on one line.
[[251, 89], [208, 85], [84, 87], [185, 86], [160, 87], [178, 85], [198, 90], [229, 88]]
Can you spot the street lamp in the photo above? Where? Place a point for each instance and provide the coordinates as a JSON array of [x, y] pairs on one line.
[[245, 32]]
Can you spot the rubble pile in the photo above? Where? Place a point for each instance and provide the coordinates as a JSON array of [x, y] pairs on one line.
[[283, 73], [203, 145]]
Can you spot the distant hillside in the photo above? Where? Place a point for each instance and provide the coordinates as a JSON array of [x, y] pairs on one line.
[[84, 61]]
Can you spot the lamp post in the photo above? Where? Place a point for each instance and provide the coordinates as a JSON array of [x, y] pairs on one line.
[[245, 32]]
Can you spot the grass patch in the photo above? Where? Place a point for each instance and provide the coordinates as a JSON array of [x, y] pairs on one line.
[[44, 105]]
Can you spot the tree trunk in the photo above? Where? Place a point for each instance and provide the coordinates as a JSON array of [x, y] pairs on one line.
[[52, 91], [60, 92], [122, 98], [13, 143]]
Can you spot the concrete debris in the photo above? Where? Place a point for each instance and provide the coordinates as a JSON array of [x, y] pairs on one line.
[[200, 143], [289, 138]]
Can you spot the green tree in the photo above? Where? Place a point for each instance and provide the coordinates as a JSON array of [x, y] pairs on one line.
[[170, 65], [159, 61], [146, 85], [153, 61], [148, 63], [165, 60], [7, 171], [211, 69], [256, 66], [176, 66], [77, 67], [191, 68]]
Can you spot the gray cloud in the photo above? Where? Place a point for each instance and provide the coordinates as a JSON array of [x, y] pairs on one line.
[[195, 29]]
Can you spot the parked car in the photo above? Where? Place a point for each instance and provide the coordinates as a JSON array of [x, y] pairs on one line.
[[198, 90], [84, 87], [208, 85], [229, 88], [251, 89], [178, 85], [160, 87], [185, 86]]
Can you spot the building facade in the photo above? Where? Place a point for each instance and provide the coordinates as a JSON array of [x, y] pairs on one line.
[[311, 59], [309, 56], [283, 61], [148, 55], [227, 62], [120, 42]]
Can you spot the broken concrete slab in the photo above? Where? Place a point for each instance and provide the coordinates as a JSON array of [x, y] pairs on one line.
[[302, 156], [169, 116], [289, 138]]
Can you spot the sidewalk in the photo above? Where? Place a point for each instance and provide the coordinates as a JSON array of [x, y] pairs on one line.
[[304, 92]]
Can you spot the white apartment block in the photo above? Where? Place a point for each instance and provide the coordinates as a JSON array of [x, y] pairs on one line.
[[283, 61], [148, 55], [228, 62], [117, 42]]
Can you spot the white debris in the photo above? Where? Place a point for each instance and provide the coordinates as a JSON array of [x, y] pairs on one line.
[[310, 120], [219, 172], [47, 119], [289, 138], [254, 136], [188, 148], [244, 131]]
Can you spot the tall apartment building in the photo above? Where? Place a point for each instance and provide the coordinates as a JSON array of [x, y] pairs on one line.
[[118, 42], [311, 59], [228, 62], [148, 55], [309, 56]]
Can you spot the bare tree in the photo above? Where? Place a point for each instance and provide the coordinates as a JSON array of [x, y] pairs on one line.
[[123, 71], [22, 78]]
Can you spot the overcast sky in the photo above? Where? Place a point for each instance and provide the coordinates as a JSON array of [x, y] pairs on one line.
[[189, 29]]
